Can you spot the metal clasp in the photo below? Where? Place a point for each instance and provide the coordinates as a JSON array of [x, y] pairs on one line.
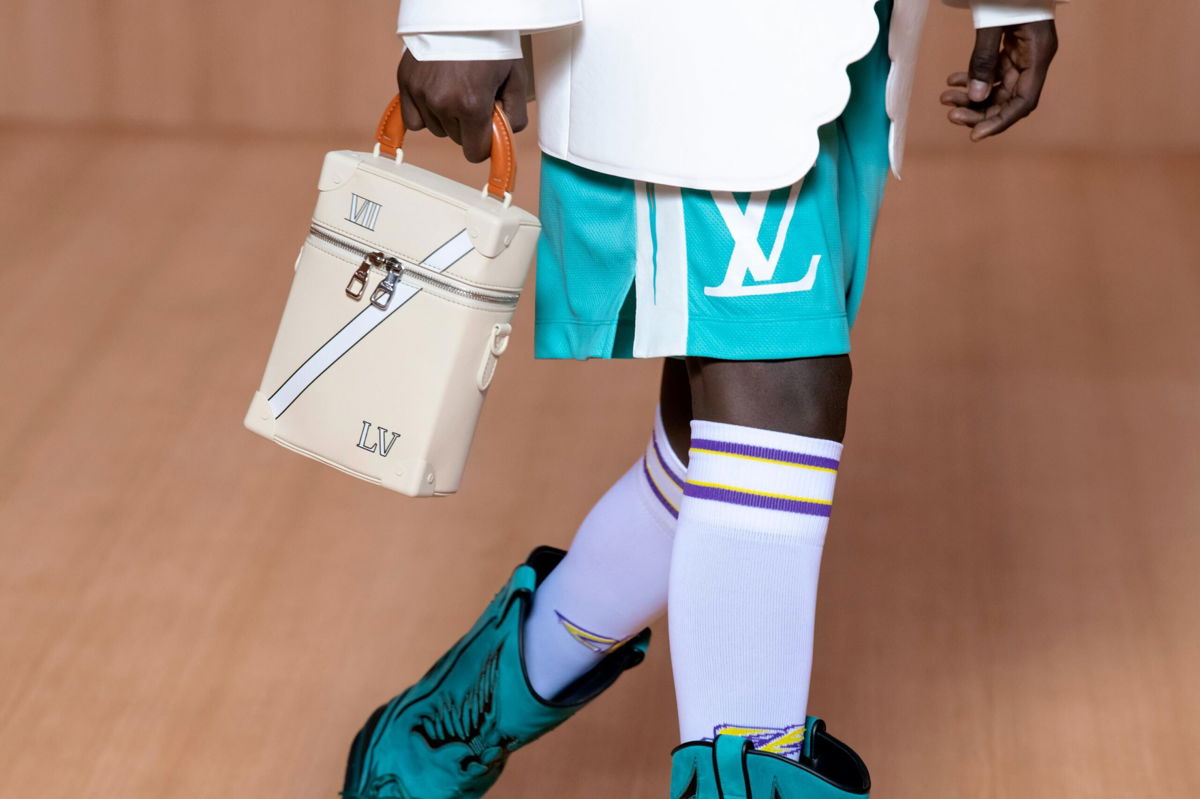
[[381, 298], [358, 281], [357, 285]]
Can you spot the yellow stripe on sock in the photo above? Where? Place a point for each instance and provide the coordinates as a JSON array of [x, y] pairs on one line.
[[597, 643], [764, 460], [762, 493]]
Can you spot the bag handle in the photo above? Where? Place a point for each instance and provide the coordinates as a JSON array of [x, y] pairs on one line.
[[389, 139]]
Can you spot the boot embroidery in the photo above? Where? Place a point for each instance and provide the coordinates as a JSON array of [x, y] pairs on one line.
[[451, 733], [468, 722]]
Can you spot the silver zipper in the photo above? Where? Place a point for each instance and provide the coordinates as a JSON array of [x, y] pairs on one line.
[[396, 270], [426, 278], [358, 281], [381, 297], [349, 246]]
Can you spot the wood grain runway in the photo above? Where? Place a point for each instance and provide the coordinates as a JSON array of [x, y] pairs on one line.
[[1009, 601]]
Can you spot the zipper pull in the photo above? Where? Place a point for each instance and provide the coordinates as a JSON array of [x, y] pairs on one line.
[[358, 282], [381, 298]]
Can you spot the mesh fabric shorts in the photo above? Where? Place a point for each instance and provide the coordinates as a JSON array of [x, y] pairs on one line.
[[633, 269]]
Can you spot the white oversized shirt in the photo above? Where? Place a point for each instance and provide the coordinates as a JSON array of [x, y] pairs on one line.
[[633, 88]]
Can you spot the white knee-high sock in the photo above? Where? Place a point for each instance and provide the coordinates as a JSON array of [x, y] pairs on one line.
[[743, 583], [613, 580]]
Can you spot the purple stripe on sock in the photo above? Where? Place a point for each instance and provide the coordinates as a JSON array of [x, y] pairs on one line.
[[756, 500], [657, 493], [798, 458], [663, 461]]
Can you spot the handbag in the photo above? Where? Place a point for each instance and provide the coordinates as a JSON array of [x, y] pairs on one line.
[[400, 306]]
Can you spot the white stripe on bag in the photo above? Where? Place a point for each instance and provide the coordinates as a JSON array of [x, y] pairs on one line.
[[360, 326]]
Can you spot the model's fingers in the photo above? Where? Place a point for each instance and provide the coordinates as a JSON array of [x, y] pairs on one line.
[[408, 109], [512, 98], [1005, 117], [954, 97], [477, 136], [965, 116], [984, 60], [1026, 94], [428, 114], [453, 126], [957, 79], [409, 113], [1024, 78]]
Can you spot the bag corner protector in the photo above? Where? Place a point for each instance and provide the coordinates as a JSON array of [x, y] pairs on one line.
[[414, 478], [259, 416]]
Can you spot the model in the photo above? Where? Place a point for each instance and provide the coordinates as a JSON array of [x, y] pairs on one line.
[[711, 176]]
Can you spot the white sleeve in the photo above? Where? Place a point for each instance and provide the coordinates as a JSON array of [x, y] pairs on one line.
[[473, 46], [996, 13], [458, 16]]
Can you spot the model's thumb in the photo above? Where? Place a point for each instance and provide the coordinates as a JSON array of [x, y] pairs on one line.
[[984, 61]]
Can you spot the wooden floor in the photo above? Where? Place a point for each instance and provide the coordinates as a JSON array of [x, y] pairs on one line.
[[1010, 603]]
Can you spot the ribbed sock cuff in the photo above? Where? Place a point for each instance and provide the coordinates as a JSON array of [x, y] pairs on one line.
[[662, 471], [760, 480]]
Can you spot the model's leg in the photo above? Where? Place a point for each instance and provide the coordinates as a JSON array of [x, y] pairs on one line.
[[613, 580], [675, 405], [765, 447]]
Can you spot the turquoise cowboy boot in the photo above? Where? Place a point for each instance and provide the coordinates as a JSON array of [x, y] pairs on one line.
[[730, 768], [448, 736]]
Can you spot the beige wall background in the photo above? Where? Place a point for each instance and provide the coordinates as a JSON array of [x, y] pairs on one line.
[[1125, 79]]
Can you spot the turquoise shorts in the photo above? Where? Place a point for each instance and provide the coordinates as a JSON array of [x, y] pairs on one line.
[[633, 269]]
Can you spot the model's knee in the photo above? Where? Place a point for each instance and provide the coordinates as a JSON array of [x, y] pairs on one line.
[[804, 396]]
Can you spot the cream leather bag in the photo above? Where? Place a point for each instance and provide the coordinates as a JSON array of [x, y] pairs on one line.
[[398, 312]]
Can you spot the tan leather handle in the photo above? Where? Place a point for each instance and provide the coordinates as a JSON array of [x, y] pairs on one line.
[[503, 175]]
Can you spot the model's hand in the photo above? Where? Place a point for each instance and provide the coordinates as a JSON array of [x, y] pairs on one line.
[[455, 99], [1004, 82]]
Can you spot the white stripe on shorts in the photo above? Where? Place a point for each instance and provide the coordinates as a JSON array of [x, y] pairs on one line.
[[661, 282]]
